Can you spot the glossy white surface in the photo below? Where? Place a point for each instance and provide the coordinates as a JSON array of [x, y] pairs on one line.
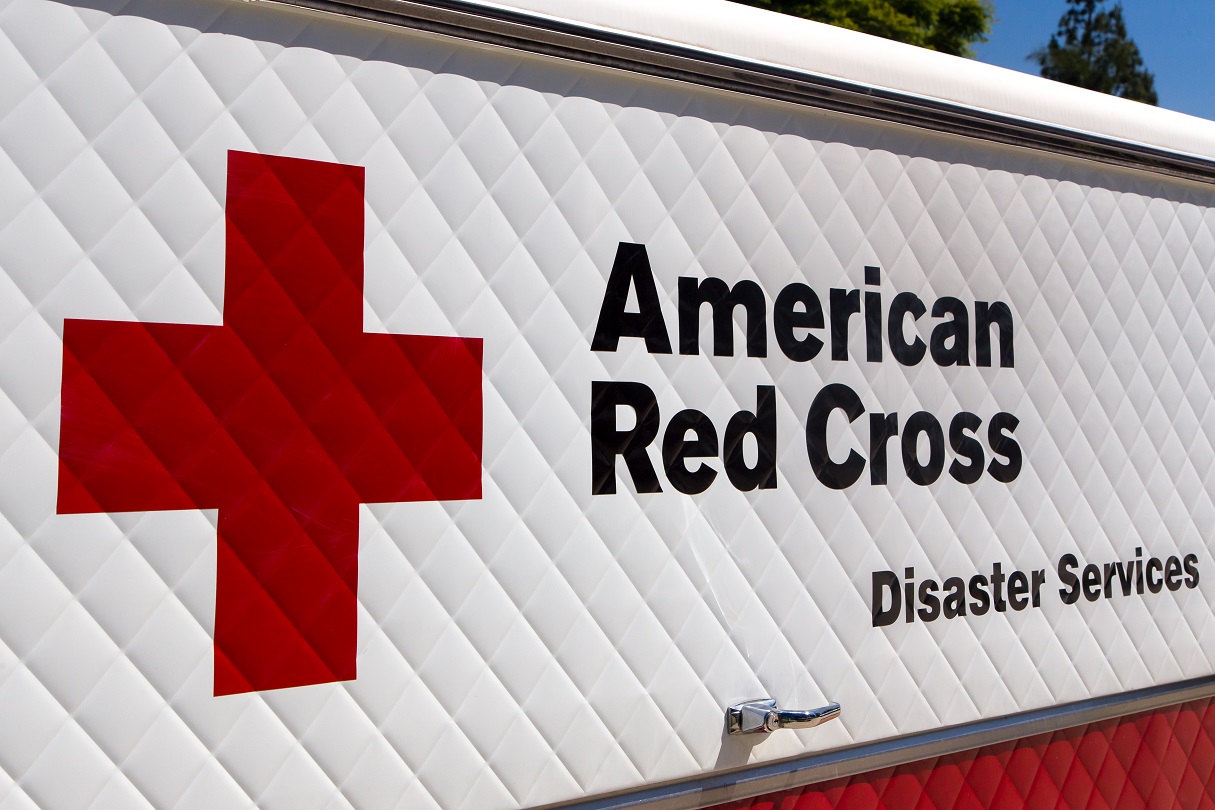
[[544, 644]]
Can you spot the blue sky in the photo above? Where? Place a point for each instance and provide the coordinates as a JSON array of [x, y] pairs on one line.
[[1176, 38]]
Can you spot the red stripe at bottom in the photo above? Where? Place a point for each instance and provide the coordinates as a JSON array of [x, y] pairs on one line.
[[1164, 758]]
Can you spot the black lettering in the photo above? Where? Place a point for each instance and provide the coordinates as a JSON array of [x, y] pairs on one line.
[[1155, 583], [677, 448], [997, 584], [1000, 439], [1001, 316], [951, 339], [1037, 580], [1070, 592], [1018, 587], [927, 473], [1191, 570], [1091, 579], [1172, 573], [607, 442], [761, 425], [843, 474], [955, 598], [882, 428], [885, 582], [723, 299], [844, 304], [786, 318], [631, 267], [909, 594], [978, 593], [1126, 576], [930, 605], [873, 326], [904, 304], [963, 442]]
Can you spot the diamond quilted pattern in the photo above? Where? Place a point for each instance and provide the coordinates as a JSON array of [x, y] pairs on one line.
[[540, 644], [284, 418]]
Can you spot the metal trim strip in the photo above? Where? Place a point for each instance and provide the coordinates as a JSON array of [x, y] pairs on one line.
[[635, 54], [757, 780]]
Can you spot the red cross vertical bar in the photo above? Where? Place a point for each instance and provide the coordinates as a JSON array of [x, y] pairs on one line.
[[284, 419]]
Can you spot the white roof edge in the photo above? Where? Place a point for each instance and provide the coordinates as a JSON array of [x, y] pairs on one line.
[[763, 36]]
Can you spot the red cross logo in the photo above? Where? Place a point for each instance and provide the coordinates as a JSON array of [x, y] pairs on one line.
[[285, 419]]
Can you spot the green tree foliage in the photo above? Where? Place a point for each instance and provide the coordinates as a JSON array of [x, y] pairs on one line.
[[1091, 50], [949, 26]]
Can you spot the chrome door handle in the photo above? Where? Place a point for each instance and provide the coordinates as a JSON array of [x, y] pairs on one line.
[[762, 715]]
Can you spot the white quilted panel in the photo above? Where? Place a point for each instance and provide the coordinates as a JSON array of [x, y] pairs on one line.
[[543, 644]]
